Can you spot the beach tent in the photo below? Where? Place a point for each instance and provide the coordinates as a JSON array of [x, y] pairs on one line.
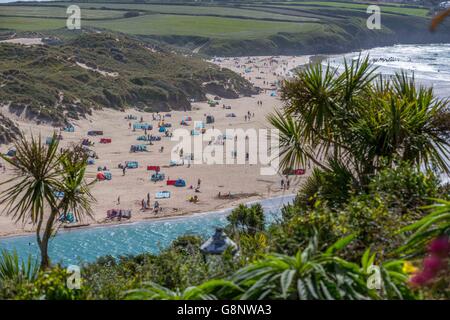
[[108, 175], [59, 194], [138, 148], [180, 183], [67, 217], [11, 152], [173, 163], [100, 176], [69, 128], [157, 177], [162, 195], [105, 140], [153, 168], [131, 164]]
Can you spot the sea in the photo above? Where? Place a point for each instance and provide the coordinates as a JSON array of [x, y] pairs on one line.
[[429, 64], [75, 247]]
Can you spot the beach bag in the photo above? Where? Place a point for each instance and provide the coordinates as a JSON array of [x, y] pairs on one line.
[[153, 168], [171, 182], [100, 176], [105, 140], [108, 175]]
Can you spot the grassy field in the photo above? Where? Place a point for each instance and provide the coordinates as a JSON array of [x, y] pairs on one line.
[[233, 28], [421, 12], [215, 27], [57, 12]]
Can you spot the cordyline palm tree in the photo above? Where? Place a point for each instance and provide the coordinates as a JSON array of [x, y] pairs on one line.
[[47, 183], [358, 122]]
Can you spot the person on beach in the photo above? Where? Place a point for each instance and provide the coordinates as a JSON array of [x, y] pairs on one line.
[[287, 184], [148, 199], [118, 200], [124, 169], [282, 184]]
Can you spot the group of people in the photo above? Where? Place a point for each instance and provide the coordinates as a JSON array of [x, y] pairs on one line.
[[259, 102], [285, 184], [249, 115]]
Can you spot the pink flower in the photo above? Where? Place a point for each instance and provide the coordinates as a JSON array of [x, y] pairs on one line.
[[418, 280], [440, 246], [432, 264]]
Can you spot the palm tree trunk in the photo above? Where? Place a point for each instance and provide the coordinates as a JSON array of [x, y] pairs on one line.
[[45, 259]]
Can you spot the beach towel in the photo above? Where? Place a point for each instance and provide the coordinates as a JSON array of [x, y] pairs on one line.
[[95, 133], [153, 168], [171, 182], [143, 126], [162, 195], [131, 164], [295, 172], [105, 140]]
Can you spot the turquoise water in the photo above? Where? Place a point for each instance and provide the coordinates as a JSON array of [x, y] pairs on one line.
[[86, 245]]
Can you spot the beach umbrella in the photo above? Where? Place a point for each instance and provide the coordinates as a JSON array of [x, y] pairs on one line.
[[218, 243]]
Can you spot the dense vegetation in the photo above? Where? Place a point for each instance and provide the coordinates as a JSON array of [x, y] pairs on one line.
[[57, 82], [231, 28], [381, 205]]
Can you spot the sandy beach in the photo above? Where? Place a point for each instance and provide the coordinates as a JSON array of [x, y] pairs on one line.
[[244, 182]]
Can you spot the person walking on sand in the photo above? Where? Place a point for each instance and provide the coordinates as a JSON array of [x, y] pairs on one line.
[[148, 199], [118, 200], [282, 184], [124, 169], [287, 184]]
